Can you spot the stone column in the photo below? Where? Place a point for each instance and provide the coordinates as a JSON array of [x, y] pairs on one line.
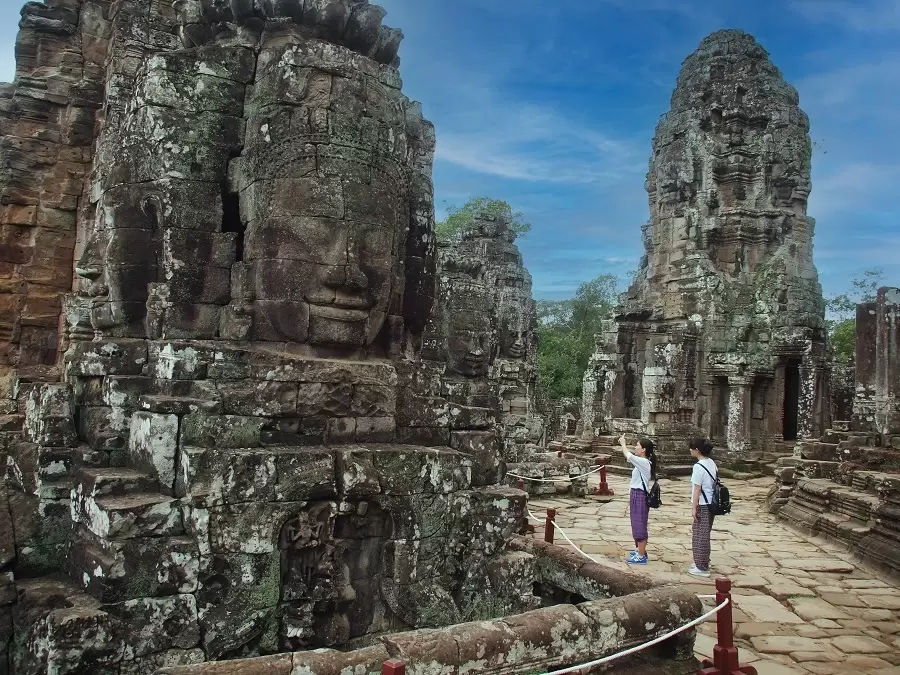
[[864, 393], [808, 401], [737, 432], [887, 362]]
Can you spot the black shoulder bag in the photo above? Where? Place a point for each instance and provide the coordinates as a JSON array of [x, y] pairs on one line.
[[721, 498], [654, 495]]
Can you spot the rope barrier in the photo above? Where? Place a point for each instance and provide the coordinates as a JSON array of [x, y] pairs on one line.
[[649, 643], [586, 555], [725, 655], [554, 480]]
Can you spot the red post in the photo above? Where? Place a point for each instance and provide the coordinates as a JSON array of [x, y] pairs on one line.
[[520, 484], [548, 526], [603, 489], [393, 667], [725, 654]]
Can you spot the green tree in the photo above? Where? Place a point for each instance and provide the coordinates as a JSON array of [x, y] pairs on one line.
[[461, 217], [566, 330], [842, 313]]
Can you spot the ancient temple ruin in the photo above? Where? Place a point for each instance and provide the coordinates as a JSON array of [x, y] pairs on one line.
[[846, 485], [722, 332], [220, 261], [480, 357]]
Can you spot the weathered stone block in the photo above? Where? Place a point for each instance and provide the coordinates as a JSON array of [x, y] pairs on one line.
[[303, 475], [249, 528], [153, 444], [223, 431]]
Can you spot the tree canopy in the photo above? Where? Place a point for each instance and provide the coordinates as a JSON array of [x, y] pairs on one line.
[[842, 312], [566, 330], [462, 217]]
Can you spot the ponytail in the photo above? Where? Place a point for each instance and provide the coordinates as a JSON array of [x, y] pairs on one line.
[[648, 447]]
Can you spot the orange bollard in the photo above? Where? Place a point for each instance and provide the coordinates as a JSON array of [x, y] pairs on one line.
[[725, 654], [548, 526]]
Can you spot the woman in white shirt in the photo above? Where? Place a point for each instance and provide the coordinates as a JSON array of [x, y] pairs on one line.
[[703, 482], [643, 459]]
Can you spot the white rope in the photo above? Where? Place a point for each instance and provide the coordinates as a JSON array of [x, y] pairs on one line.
[[650, 643], [574, 545], [554, 480], [632, 650]]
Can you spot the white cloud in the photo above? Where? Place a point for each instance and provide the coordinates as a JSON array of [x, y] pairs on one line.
[[860, 15], [852, 187], [526, 141], [866, 87]]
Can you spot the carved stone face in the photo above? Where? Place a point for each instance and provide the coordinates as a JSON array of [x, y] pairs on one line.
[[323, 187], [468, 325], [322, 280], [120, 259]]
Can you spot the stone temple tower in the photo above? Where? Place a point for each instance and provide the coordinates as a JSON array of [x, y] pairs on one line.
[[722, 332]]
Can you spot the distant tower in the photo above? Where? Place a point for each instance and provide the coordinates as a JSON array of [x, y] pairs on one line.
[[722, 333]]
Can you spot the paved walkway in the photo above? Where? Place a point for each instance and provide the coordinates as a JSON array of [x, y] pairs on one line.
[[802, 605]]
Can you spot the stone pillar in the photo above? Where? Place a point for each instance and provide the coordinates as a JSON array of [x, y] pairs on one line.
[[809, 400], [737, 432], [864, 394], [887, 363]]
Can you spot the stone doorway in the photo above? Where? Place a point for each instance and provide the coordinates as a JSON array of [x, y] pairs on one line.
[[791, 413]]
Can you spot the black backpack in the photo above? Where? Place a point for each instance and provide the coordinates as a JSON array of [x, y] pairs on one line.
[[721, 501], [654, 494]]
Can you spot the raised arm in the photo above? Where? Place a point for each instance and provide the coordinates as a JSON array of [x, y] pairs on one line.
[[624, 446]]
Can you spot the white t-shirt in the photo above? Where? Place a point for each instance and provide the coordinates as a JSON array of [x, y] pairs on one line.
[[704, 480], [641, 468]]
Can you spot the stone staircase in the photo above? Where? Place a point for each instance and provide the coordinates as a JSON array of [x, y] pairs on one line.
[[846, 488], [129, 562]]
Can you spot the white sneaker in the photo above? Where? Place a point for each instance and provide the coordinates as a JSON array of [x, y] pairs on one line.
[[697, 572]]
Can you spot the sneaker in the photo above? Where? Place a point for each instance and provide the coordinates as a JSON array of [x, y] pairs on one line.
[[638, 560], [634, 555], [697, 572]]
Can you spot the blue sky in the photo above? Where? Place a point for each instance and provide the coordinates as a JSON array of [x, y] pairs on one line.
[[552, 107]]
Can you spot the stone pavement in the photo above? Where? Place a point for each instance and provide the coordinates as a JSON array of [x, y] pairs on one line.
[[802, 605]]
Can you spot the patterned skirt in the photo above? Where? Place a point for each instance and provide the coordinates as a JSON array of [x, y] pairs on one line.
[[639, 513]]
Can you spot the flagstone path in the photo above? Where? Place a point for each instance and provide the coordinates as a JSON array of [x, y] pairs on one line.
[[802, 604]]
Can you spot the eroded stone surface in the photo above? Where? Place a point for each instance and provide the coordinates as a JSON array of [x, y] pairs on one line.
[[223, 464]]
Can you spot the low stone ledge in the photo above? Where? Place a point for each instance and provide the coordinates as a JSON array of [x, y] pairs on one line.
[[542, 639], [570, 571]]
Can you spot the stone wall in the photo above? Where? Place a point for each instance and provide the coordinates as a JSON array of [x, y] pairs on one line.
[[722, 333]]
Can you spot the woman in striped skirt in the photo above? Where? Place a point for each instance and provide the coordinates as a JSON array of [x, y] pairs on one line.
[[643, 459]]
